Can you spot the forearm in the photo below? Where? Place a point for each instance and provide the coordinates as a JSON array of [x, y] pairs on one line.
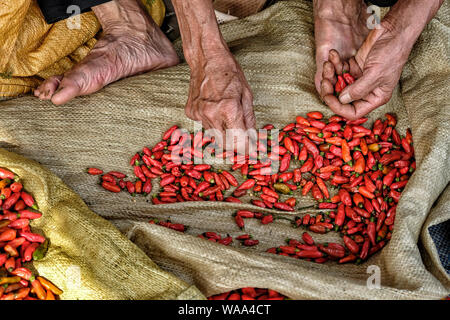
[[199, 30], [409, 17]]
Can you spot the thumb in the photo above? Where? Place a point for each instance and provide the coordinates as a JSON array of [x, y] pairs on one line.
[[365, 84], [359, 89], [367, 46]]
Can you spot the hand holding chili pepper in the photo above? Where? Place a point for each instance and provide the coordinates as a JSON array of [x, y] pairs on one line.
[[379, 62]]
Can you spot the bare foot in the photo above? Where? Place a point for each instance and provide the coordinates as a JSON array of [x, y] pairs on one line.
[[339, 25], [132, 44]]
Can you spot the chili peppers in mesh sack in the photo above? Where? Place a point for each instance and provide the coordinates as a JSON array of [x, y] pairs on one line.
[[19, 245], [249, 293]]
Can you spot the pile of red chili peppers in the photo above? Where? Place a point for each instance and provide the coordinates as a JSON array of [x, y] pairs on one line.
[[249, 293], [19, 245], [355, 174]]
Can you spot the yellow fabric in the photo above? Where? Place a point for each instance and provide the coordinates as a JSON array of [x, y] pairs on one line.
[[32, 50]]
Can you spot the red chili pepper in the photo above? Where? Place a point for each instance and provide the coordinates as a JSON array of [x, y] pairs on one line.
[[351, 245], [291, 202], [365, 249], [345, 151], [28, 199], [138, 186], [371, 232], [283, 206], [332, 126], [11, 201], [332, 251], [231, 179], [246, 214], [303, 155], [315, 115], [340, 84], [365, 192], [19, 224], [306, 237], [311, 147], [307, 166], [248, 184], [345, 197], [109, 178], [350, 213], [32, 237], [289, 144], [159, 146], [169, 132], [250, 242], [16, 187], [7, 235], [270, 192], [318, 228], [360, 165], [288, 249], [302, 121], [388, 158], [327, 205], [348, 78], [194, 174], [285, 162], [167, 180], [135, 159], [226, 241], [130, 187], [309, 254], [24, 273], [389, 178], [267, 219], [307, 187], [398, 185], [6, 174], [239, 221], [117, 174], [323, 187], [138, 172], [356, 182], [297, 175]]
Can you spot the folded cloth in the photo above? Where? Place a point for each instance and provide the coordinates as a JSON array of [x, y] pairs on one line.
[[32, 50]]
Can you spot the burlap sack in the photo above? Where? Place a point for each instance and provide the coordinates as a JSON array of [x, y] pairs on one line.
[[32, 50], [239, 8], [276, 50]]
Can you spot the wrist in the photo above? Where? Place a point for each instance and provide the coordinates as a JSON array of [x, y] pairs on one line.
[[325, 9], [408, 18], [209, 48], [199, 30]]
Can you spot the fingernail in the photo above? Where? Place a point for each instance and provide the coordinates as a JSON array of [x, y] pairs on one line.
[[345, 98]]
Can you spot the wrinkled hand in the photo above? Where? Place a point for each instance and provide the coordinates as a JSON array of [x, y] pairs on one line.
[[339, 25], [219, 94], [377, 68]]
